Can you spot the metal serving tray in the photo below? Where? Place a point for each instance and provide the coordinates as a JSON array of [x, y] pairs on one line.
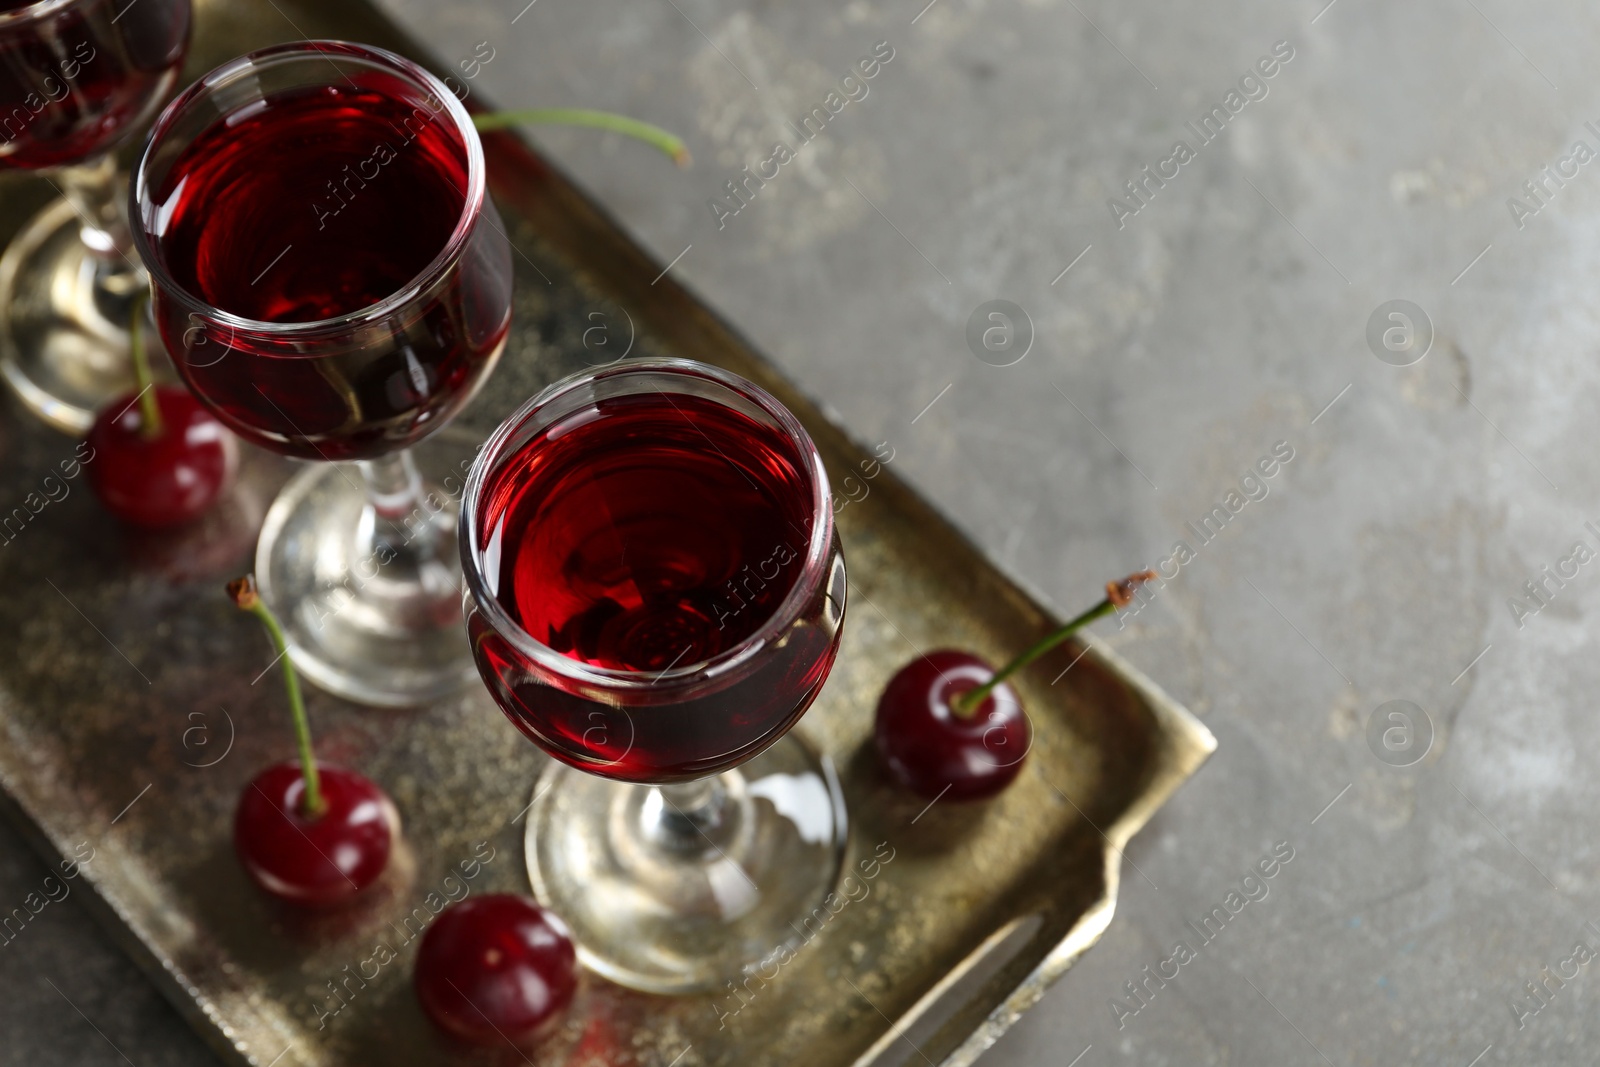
[[130, 719]]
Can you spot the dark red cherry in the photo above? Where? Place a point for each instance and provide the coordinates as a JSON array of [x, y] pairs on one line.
[[167, 478], [495, 968], [938, 753], [317, 860]]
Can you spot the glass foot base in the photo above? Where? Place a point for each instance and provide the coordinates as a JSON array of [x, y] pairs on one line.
[[371, 609], [64, 315], [666, 896]]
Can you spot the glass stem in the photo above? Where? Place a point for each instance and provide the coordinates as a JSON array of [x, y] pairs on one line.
[[393, 484], [399, 528], [95, 189], [402, 542], [687, 815]]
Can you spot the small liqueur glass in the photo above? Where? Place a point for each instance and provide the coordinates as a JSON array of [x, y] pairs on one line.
[[656, 596], [332, 280], [77, 79]]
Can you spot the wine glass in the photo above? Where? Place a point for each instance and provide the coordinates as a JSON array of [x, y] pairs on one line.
[[77, 77], [333, 282], [657, 597]]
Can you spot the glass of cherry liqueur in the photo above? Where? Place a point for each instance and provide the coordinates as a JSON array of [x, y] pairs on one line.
[[657, 594], [77, 79], [332, 281]]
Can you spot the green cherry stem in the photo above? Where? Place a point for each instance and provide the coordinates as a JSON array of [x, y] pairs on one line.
[[667, 143], [244, 594], [1118, 595], [149, 409]]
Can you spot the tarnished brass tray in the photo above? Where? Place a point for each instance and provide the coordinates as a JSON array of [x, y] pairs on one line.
[[131, 718]]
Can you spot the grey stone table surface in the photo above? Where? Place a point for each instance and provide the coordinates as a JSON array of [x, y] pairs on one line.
[[1237, 301]]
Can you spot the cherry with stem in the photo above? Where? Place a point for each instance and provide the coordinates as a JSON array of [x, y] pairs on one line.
[[308, 834], [1118, 595], [248, 598], [161, 459], [948, 725]]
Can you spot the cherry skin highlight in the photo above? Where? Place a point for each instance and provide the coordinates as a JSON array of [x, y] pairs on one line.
[[936, 753], [321, 860], [495, 968], [164, 479]]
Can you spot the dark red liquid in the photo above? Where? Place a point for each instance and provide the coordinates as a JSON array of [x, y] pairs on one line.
[[316, 204], [74, 83], [648, 533]]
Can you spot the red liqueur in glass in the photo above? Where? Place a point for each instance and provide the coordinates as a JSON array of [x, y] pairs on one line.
[[656, 592], [343, 196], [650, 533], [75, 78]]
